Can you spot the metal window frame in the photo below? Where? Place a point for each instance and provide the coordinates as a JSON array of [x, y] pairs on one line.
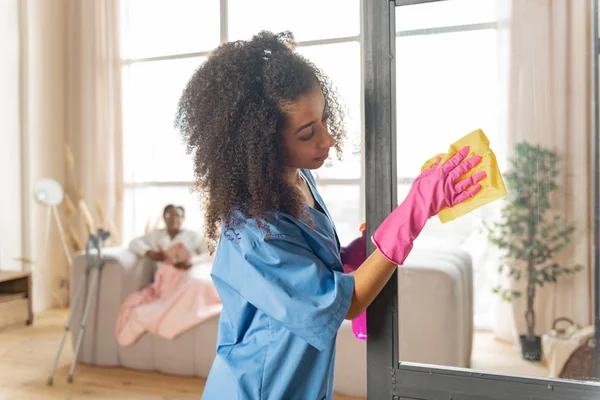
[[407, 180], [387, 377], [148, 184]]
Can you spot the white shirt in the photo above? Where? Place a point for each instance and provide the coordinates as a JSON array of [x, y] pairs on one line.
[[159, 239]]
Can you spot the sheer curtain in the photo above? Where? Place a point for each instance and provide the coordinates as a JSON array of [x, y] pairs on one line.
[[545, 52], [93, 114]]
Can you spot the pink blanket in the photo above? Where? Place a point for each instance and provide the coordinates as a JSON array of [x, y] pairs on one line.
[[177, 301]]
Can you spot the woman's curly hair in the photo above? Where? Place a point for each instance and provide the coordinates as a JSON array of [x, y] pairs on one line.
[[231, 114]]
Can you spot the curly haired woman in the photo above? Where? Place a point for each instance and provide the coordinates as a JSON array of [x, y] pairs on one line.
[[257, 117]]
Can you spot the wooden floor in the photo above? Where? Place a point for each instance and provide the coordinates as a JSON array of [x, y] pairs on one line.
[[27, 353]]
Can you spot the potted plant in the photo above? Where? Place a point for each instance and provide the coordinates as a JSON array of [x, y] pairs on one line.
[[528, 233]]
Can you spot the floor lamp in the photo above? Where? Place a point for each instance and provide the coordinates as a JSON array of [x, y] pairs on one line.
[[49, 193]]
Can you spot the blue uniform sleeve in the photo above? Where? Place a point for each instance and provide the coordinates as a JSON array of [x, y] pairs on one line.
[[290, 284]]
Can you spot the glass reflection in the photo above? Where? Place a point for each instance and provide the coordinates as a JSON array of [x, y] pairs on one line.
[[508, 287]]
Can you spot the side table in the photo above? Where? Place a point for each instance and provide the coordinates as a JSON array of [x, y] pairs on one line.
[[15, 299]]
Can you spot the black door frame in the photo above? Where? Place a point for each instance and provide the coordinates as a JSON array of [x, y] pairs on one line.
[[387, 377]]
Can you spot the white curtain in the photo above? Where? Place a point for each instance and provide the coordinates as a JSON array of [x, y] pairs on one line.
[[93, 117], [545, 49]]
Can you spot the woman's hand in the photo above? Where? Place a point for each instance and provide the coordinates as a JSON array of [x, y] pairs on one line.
[[355, 253], [155, 255], [438, 188]]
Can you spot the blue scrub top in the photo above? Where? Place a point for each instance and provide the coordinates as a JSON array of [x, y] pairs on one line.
[[284, 299]]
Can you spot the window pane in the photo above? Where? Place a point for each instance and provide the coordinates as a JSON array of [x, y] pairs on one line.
[[343, 203], [438, 105], [145, 206], [445, 13], [163, 27], [341, 63], [308, 20], [153, 149], [435, 107]]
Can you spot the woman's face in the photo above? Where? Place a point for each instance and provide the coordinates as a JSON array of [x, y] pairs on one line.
[[173, 219], [306, 139]]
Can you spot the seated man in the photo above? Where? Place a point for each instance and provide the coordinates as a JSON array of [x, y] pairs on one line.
[[156, 243]]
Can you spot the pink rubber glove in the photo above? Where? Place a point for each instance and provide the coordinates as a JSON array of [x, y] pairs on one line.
[[435, 189], [355, 253]]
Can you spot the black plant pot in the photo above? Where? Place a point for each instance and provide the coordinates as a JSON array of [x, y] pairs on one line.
[[531, 348]]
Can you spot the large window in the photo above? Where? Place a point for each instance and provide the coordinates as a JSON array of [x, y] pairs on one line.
[[447, 86], [164, 41]]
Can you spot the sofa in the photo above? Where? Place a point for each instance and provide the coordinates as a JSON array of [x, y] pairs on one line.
[[436, 283]]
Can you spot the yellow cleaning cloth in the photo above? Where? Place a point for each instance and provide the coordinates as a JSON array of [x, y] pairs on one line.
[[492, 186]]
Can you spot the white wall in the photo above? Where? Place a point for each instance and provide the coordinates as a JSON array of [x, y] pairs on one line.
[[10, 139]]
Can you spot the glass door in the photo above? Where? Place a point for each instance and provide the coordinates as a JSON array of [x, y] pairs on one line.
[[501, 302]]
